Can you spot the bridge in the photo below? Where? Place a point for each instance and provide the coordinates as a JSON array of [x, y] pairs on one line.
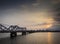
[[13, 29]]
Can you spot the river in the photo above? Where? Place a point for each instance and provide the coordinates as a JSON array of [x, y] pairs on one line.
[[34, 38]]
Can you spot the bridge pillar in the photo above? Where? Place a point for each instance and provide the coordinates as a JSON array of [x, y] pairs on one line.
[[24, 33], [13, 34]]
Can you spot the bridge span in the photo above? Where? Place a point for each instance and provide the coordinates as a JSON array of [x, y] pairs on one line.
[[13, 29]]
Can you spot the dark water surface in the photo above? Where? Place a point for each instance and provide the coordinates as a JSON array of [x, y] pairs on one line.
[[34, 38]]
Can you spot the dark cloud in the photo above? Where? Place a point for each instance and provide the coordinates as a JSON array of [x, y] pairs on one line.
[[9, 6], [57, 12]]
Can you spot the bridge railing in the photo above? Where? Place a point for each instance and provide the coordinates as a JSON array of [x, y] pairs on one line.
[[11, 28]]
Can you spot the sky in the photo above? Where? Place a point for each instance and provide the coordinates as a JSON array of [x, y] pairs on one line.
[[33, 14]]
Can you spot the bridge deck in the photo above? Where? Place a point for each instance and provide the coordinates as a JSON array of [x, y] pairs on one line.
[[32, 31], [15, 28]]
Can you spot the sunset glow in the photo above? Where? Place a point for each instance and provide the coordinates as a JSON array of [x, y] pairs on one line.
[[48, 26], [35, 15]]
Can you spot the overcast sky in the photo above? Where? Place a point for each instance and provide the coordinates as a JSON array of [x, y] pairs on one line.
[[30, 12]]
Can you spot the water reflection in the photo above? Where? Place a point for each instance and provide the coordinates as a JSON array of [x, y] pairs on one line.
[[49, 38], [34, 38], [56, 38], [53, 38]]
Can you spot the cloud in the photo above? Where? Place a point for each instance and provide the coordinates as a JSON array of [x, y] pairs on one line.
[[16, 7], [57, 12]]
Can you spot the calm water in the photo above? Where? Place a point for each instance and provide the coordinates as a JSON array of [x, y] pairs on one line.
[[34, 38]]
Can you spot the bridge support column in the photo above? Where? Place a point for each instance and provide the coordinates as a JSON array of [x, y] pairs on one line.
[[24, 33], [13, 34]]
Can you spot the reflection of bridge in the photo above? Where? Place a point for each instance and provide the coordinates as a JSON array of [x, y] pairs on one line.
[[13, 29]]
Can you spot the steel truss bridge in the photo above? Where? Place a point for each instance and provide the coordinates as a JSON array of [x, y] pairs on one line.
[[13, 29]]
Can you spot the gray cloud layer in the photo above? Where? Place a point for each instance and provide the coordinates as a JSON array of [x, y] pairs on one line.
[[8, 6]]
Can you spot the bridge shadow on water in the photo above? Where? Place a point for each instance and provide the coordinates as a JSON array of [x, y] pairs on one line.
[[11, 40], [34, 38], [14, 40]]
